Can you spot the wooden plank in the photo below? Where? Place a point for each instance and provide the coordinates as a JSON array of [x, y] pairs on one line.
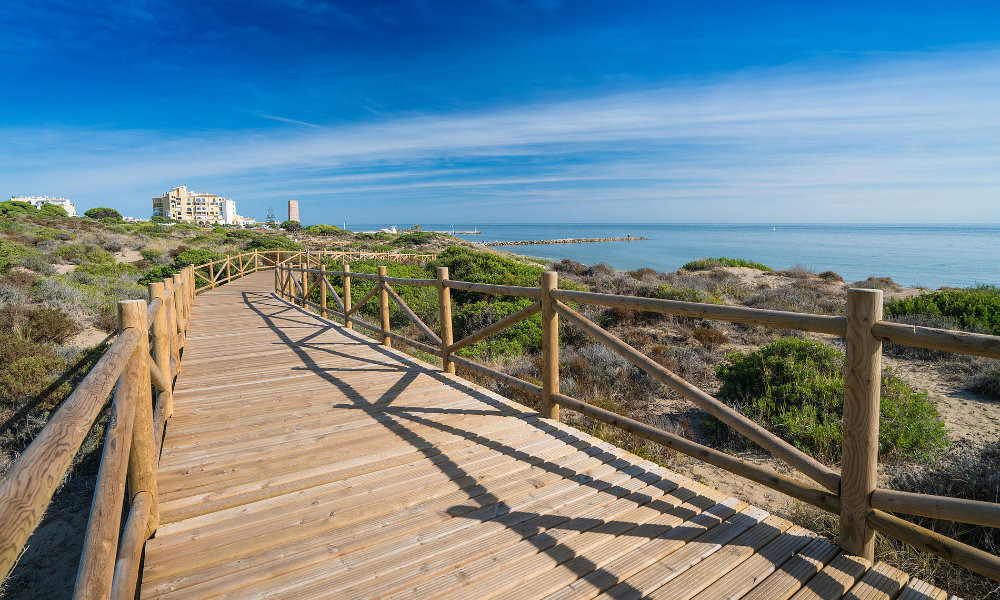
[[691, 541], [755, 569], [537, 544], [314, 548], [835, 579], [536, 574], [304, 460], [536, 479], [795, 572], [881, 582], [920, 590]]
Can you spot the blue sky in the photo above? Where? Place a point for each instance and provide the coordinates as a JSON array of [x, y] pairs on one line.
[[506, 111]]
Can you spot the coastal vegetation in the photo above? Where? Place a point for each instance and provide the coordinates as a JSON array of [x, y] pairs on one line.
[[796, 388], [60, 278], [975, 309], [703, 264]]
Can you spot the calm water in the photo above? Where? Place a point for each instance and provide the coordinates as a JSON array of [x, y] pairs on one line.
[[928, 255]]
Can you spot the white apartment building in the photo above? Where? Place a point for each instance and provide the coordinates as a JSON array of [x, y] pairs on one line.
[[39, 201], [184, 205]]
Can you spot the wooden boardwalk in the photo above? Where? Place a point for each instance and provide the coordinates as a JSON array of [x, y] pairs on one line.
[[305, 461]]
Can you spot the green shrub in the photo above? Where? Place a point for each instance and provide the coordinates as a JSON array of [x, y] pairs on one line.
[[115, 270], [38, 324], [150, 254], [685, 294], [82, 254], [323, 229], [12, 208], [53, 210], [102, 212], [196, 256], [154, 274], [27, 369], [416, 238], [973, 309], [465, 264], [47, 233], [273, 242], [703, 264], [516, 340], [290, 225], [13, 254], [796, 388]]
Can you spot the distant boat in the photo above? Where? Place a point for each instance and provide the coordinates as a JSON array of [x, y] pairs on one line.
[[389, 229]]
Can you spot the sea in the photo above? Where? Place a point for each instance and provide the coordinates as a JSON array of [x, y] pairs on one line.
[[931, 256]]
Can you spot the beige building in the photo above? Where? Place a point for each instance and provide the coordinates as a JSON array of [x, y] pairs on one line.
[[184, 205], [293, 211]]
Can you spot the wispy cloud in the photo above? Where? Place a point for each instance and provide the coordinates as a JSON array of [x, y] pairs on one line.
[[911, 138]]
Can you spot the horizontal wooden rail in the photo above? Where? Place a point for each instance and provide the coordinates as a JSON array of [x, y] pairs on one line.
[[945, 340], [369, 276], [498, 290], [781, 449], [413, 282], [951, 550], [733, 314], [151, 311], [762, 475], [974, 512]]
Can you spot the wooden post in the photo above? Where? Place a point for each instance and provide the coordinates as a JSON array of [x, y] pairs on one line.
[[322, 290], [550, 346], [161, 343], [347, 293], [211, 274], [444, 304], [303, 278], [383, 305], [256, 261], [862, 394], [142, 460], [171, 314], [181, 299]]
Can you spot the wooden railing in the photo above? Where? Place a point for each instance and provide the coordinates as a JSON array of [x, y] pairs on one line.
[[852, 493], [145, 357], [223, 270], [142, 361]]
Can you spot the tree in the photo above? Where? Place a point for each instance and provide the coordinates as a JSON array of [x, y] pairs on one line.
[[291, 225], [270, 218], [14, 207], [53, 210], [102, 212]]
